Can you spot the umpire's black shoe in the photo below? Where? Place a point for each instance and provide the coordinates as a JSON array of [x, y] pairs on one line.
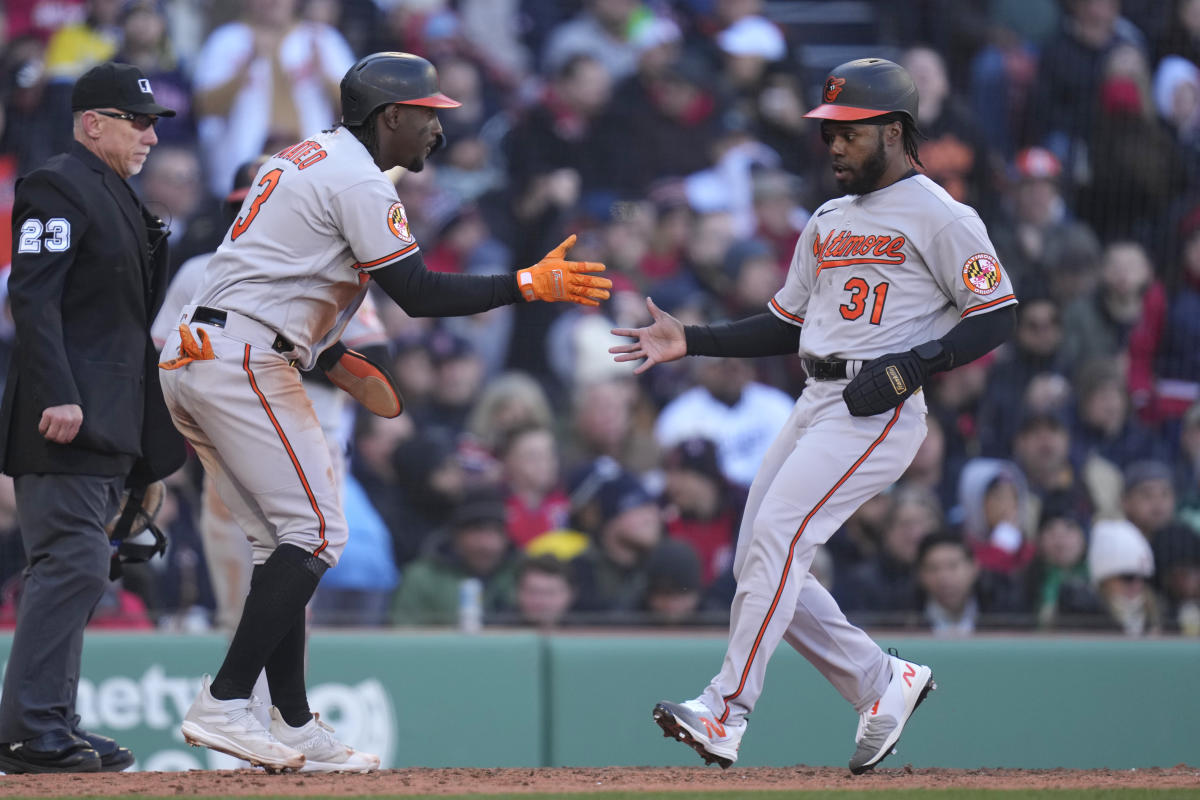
[[56, 751], [113, 757]]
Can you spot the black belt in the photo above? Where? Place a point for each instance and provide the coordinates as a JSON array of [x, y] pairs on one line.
[[216, 317], [828, 369]]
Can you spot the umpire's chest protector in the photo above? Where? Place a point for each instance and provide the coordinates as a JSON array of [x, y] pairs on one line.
[[101, 263]]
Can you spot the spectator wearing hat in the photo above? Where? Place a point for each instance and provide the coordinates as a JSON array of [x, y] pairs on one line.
[[1035, 236], [673, 584], [1148, 499], [475, 544], [83, 418], [611, 576], [1121, 565], [458, 376], [701, 507], [1177, 99]]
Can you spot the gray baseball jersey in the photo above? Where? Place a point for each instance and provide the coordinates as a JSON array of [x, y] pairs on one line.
[[872, 274], [886, 271], [318, 217]]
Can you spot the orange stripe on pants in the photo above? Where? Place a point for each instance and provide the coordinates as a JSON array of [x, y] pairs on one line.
[[291, 453], [791, 551]]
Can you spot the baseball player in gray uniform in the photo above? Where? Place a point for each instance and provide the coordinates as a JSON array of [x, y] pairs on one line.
[[320, 222], [889, 284]]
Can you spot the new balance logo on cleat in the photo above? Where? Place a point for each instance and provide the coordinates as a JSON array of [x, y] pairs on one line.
[[695, 726], [879, 728]]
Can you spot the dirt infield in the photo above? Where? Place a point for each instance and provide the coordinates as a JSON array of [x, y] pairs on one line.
[[248, 783]]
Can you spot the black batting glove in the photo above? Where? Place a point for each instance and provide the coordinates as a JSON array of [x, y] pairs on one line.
[[884, 383]]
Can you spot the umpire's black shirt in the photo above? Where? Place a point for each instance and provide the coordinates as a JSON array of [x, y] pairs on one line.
[[88, 274]]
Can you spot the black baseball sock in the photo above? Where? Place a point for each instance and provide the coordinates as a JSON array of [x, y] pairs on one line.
[[279, 591], [285, 675]]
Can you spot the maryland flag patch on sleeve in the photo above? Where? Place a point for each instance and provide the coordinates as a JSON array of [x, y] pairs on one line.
[[981, 273], [398, 222]]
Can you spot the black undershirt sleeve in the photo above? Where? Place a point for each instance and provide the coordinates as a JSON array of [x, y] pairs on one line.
[[760, 335], [977, 336], [422, 293]]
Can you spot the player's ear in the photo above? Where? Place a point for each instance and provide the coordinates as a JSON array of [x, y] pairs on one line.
[[391, 116]]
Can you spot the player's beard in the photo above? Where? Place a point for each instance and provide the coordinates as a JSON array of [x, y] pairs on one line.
[[866, 178]]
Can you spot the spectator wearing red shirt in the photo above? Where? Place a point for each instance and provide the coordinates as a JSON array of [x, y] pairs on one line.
[[535, 501], [702, 507]]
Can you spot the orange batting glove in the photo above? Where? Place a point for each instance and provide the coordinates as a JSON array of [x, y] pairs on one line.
[[554, 278]]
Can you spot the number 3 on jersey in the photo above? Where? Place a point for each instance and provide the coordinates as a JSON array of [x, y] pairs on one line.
[[268, 182], [859, 289]]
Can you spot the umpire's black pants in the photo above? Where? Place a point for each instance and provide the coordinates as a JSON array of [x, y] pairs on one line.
[[67, 553]]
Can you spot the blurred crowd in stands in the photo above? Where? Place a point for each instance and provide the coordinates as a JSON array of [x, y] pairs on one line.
[[540, 483]]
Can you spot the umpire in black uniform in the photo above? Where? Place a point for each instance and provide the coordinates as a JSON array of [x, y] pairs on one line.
[[83, 416]]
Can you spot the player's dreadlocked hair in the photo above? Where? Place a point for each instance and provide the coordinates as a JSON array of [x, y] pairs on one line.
[[366, 133], [910, 134]]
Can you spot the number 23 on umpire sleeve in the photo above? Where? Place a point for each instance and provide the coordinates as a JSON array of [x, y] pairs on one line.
[[859, 289], [268, 182]]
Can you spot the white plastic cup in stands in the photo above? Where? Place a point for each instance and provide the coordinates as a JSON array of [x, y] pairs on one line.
[[470, 605]]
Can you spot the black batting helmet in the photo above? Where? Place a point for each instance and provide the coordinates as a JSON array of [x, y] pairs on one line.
[[865, 88], [383, 78]]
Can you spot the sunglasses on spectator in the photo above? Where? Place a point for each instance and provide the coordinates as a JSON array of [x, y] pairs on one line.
[[140, 121], [1129, 577]]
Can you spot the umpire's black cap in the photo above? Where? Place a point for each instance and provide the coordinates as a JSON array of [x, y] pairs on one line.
[[113, 85]]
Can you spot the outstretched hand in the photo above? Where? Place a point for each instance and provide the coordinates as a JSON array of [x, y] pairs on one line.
[[658, 342], [554, 279]]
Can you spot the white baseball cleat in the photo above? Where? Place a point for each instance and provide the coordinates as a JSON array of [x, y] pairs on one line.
[[697, 727], [880, 726], [322, 752], [230, 726]]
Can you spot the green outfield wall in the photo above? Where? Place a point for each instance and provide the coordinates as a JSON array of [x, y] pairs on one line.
[[519, 699]]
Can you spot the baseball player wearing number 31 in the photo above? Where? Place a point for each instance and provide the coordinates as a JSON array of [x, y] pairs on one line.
[[889, 284], [320, 221]]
